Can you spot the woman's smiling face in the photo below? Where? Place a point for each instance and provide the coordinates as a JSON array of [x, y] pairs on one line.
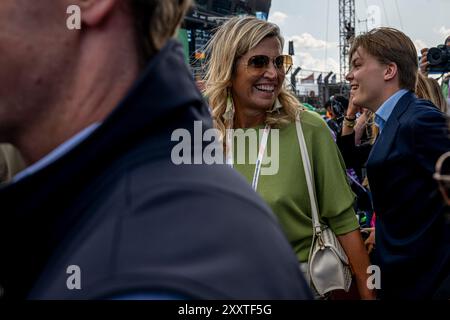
[[257, 89]]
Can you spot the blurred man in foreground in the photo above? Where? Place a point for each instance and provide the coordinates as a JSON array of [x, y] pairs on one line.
[[102, 211]]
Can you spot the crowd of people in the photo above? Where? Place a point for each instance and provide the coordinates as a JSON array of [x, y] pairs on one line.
[[88, 177]]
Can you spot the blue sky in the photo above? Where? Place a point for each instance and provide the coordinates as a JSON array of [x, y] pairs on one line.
[[316, 37]]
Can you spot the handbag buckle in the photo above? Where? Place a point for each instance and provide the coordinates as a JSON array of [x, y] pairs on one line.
[[320, 239]]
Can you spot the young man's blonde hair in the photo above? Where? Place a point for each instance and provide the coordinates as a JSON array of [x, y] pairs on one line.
[[230, 42], [156, 21], [389, 45]]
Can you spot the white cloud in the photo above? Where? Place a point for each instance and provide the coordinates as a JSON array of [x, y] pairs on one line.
[[307, 41], [314, 60], [444, 32], [373, 17], [278, 17], [308, 62]]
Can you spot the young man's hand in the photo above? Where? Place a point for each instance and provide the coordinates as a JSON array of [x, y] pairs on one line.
[[352, 109], [370, 241]]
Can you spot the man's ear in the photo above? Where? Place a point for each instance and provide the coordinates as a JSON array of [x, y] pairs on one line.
[[391, 71], [94, 12]]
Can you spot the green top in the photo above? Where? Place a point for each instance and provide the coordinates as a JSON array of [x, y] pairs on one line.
[[286, 191]]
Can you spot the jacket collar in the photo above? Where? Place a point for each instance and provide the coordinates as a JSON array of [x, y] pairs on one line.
[[384, 112], [384, 141]]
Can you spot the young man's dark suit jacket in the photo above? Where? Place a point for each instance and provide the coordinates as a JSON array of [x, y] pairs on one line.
[[412, 237]]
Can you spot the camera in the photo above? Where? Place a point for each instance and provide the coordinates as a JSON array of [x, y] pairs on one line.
[[439, 59]]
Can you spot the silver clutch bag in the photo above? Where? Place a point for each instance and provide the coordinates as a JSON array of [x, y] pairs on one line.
[[328, 266]]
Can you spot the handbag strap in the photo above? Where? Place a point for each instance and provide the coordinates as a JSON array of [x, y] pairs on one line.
[[308, 174]]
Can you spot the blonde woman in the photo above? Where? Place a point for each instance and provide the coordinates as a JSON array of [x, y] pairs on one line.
[[429, 89], [244, 85]]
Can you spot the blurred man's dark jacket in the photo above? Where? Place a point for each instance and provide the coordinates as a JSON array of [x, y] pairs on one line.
[[117, 207]]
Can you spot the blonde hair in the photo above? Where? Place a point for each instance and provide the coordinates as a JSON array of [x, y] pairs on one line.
[[156, 21], [429, 89], [231, 41]]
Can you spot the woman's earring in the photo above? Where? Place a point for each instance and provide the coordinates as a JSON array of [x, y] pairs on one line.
[[229, 111], [276, 106]]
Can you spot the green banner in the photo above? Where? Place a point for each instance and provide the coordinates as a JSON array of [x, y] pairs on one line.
[[183, 38]]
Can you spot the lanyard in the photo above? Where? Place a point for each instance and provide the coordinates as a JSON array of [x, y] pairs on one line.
[[229, 148], [262, 150]]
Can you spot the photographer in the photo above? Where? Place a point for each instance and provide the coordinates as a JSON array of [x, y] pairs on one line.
[[336, 108], [424, 63], [425, 68]]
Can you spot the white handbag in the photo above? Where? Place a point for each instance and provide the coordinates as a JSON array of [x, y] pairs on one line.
[[328, 266]]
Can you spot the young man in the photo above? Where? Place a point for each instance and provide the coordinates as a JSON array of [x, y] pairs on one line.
[[102, 211], [412, 237]]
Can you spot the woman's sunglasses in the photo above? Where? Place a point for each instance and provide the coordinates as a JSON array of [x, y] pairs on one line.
[[258, 64]]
